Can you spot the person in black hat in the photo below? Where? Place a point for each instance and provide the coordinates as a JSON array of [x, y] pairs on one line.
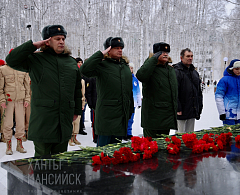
[[83, 80], [159, 103], [189, 92], [56, 99], [114, 104]]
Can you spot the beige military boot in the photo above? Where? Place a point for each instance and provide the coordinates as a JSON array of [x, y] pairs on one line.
[[9, 147], [71, 141], [24, 138], [75, 140], [2, 139], [20, 147]]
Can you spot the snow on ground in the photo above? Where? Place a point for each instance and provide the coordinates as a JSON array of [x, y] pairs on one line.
[[209, 117]]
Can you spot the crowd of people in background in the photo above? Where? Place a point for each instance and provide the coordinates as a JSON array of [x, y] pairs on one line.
[[62, 87]]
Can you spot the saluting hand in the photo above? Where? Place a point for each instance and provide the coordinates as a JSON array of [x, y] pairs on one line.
[[106, 51], [39, 44], [156, 55]]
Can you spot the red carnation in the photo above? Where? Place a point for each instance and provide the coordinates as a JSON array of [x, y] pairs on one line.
[[125, 159], [173, 149], [106, 160], [136, 143], [197, 148], [223, 138], [117, 154], [147, 154], [144, 146], [205, 137], [210, 140], [201, 142], [176, 141], [206, 147], [211, 134], [153, 147], [167, 139], [9, 100], [237, 139], [189, 139], [96, 160], [214, 148], [8, 94], [220, 144], [102, 154], [237, 145], [136, 157]]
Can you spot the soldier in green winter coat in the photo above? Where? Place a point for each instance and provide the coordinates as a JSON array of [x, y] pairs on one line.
[[114, 104], [159, 104], [56, 89]]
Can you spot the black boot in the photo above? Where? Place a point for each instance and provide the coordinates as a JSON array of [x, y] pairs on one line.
[[95, 139], [82, 132]]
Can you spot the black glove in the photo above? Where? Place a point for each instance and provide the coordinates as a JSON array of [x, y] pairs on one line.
[[139, 106], [222, 117], [198, 117], [156, 55]]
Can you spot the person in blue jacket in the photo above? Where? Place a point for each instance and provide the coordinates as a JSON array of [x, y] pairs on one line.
[[227, 95], [137, 101]]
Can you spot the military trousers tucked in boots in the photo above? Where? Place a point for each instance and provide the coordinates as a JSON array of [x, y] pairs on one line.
[[73, 139], [76, 125], [18, 108], [27, 116]]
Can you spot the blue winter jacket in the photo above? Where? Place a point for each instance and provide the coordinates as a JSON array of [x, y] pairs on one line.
[[227, 95], [136, 92]]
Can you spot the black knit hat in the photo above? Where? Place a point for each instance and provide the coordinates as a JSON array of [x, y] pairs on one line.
[[113, 42], [161, 47], [53, 30], [78, 59]]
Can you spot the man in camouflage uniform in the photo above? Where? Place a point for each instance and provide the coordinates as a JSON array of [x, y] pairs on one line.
[[14, 98]]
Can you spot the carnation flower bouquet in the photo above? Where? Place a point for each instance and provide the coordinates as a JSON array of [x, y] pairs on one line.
[[204, 141]]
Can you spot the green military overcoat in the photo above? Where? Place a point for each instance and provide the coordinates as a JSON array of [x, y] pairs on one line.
[[56, 91], [114, 104], [160, 87]]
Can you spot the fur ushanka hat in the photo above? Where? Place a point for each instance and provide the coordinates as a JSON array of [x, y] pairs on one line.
[[53, 30], [161, 47], [113, 42]]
